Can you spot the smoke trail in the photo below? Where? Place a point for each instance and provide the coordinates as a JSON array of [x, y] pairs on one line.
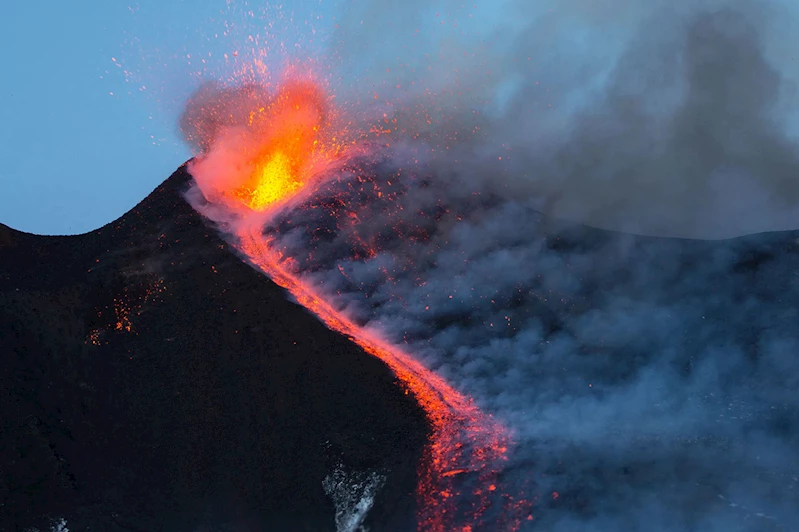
[[642, 377], [649, 381], [652, 118]]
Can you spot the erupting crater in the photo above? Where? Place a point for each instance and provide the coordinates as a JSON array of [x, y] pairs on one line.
[[264, 148], [288, 126]]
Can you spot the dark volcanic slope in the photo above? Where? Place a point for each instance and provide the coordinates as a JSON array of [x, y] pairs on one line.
[[152, 381]]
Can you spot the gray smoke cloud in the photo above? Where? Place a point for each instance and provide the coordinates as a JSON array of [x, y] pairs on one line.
[[649, 382], [675, 120]]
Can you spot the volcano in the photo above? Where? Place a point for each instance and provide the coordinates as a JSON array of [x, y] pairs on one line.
[[154, 381]]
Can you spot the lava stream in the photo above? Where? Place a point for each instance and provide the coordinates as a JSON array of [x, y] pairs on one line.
[[463, 441], [261, 151]]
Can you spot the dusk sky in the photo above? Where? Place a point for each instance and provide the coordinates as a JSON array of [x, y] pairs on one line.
[[91, 93], [89, 100]]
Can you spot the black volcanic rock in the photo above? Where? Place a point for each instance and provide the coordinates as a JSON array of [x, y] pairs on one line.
[[153, 381]]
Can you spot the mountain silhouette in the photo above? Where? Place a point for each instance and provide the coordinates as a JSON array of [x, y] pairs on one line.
[[153, 381]]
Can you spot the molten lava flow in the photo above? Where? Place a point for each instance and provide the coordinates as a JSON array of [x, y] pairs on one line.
[[464, 441], [287, 140]]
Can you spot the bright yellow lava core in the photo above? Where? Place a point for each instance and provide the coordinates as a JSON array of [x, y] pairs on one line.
[[275, 181]]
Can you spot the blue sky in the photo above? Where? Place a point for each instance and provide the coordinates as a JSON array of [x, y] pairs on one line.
[[90, 92], [73, 155], [89, 98]]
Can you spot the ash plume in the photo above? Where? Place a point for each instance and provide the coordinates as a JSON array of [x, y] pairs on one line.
[[676, 120], [643, 379], [649, 381], [214, 108]]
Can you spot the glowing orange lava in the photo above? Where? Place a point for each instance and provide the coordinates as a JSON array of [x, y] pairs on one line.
[[288, 126], [464, 441], [263, 146]]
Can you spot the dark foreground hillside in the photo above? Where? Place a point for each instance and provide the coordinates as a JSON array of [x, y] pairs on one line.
[[153, 381]]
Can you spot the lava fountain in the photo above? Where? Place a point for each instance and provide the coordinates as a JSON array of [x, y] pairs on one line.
[[263, 150]]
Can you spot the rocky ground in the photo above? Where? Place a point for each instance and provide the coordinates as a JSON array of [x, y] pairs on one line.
[[153, 381]]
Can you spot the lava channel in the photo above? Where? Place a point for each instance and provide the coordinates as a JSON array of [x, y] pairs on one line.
[[459, 474]]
